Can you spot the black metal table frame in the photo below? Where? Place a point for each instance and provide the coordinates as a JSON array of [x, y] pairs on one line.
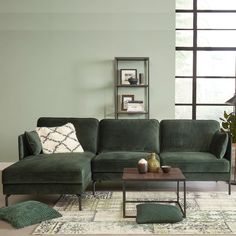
[[183, 209]]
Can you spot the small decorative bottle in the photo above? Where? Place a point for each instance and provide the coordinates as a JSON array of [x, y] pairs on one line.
[[153, 163]]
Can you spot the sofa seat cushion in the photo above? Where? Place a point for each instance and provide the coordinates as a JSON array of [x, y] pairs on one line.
[[195, 162], [50, 168], [116, 161]]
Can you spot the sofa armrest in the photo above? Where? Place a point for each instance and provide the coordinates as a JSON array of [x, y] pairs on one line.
[[22, 147], [228, 152]]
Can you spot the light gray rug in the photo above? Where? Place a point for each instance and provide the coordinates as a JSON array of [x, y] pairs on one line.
[[207, 213]]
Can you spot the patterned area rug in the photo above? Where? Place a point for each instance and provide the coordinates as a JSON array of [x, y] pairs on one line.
[[207, 213]]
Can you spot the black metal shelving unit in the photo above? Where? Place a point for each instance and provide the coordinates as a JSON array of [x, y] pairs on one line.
[[130, 88]]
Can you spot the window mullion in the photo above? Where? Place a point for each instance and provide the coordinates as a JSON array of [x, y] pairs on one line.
[[194, 91]]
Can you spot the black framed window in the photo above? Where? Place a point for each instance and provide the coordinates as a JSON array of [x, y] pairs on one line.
[[205, 58]]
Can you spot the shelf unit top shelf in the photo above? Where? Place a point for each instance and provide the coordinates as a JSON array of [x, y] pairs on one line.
[[132, 58]]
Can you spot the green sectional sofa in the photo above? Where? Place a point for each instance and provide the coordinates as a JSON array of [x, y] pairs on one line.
[[111, 145]]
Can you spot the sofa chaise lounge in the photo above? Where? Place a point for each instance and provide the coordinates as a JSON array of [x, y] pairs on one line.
[[111, 145]]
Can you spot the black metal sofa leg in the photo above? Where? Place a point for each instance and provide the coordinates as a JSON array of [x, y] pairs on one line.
[[229, 186], [94, 187], [6, 199], [80, 202]]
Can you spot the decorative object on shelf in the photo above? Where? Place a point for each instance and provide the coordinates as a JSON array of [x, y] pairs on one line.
[[141, 78], [125, 99], [125, 74], [133, 81], [135, 106], [166, 169], [142, 166], [153, 163]]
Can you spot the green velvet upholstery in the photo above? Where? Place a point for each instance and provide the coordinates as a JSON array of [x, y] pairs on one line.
[[136, 135], [34, 142], [107, 176], [158, 213], [27, 213], [207, 176], [116, 161], [196, 162], [86, 129], [187, 135], [51, 188], [50, 168], [218, 144]]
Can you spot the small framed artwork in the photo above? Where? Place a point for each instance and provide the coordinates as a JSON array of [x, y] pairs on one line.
[[125, 99], [125, 74]]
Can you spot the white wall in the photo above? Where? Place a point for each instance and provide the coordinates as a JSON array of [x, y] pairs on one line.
[[56, 59]]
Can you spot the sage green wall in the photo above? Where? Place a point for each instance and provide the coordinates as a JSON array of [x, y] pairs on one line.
[[56, 59]]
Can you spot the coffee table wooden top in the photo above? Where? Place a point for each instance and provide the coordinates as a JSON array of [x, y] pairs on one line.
[[132, 174]]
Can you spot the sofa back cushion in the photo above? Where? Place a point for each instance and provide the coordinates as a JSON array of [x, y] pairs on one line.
[[187, 135], [129, 135], [86, 129]]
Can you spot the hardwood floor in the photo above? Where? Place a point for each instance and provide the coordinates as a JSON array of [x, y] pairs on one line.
[[8, 230]]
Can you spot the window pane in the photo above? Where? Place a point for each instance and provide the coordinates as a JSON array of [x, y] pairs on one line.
[[184, 38], [214, 90], [217, 4], [184, 4], [184, 20], [212, 112], [184, 63], [219, 38], [183, 112], [216, 20], [183, 90], [216, 63]]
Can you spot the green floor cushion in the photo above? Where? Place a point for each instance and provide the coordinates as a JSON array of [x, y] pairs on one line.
[[158, 213], [27, 213]]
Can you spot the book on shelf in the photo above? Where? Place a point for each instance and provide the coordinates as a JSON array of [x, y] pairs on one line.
[[135, 106]]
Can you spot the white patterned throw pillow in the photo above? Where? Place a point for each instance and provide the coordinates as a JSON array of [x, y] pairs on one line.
[[59, 139]]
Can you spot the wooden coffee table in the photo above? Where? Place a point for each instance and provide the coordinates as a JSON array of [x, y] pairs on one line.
[[175, 174]]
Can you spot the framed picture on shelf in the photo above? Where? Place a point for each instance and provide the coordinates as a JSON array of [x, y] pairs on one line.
[[125, 74], [125, 99]]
